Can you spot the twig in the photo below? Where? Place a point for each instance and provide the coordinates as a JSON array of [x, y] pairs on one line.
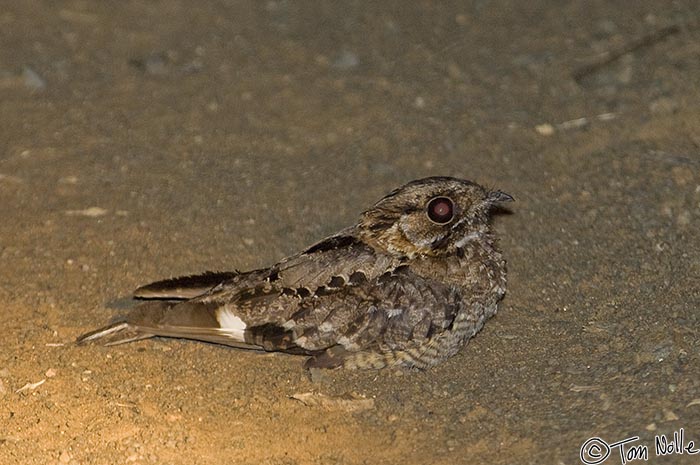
[[611, 56]]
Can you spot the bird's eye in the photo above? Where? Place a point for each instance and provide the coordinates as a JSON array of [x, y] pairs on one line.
[[441, 210]]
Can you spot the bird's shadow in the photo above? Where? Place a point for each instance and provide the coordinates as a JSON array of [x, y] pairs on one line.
[[498, 210]]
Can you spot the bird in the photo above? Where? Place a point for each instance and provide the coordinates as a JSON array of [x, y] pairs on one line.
[[408, 285]]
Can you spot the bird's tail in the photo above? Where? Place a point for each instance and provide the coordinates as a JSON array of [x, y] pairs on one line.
[[116, 333], [189, 320], [133, 327]]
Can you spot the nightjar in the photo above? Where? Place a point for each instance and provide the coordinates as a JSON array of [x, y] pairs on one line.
[[408, 285]]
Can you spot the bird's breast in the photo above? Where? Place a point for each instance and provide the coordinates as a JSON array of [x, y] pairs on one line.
[[478, 268]]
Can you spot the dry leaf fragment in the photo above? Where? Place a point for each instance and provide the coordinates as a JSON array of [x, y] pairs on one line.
[[30, 386]]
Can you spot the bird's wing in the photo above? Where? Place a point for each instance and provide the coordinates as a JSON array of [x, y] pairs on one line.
[[331, 262], [222, 305], [184, 287], [394, 310]]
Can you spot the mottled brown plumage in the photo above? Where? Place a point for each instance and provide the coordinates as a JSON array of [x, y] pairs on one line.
[[408, 285]]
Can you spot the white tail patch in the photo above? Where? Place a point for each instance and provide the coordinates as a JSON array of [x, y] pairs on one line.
[[231, 324]]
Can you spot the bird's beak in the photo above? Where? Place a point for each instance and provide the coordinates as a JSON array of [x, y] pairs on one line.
[[498, 196]]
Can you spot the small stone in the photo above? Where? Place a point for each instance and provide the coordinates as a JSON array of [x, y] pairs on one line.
[[346, 60], [92, 212], [157, 64], [669, 415], [683, 218], [651, 427], [64, 457], [607, 27], [32, 79], [68, 180], [545, 129], [663, 351], [50, 373]]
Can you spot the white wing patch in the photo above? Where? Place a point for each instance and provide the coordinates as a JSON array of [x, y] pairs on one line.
[[231, 324]]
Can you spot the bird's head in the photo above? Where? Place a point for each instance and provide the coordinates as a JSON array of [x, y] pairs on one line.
[[431, 216]]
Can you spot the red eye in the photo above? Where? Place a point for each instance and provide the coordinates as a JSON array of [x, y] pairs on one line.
[[441, 210]]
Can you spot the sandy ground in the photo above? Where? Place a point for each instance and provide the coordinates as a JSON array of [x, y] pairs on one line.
[[142, 140]]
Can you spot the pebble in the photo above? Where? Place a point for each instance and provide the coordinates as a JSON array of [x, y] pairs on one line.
[[92, 212], [156, 64], [68, 180], [669, 415], [32, 79], [346, 60], [545, 129]]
